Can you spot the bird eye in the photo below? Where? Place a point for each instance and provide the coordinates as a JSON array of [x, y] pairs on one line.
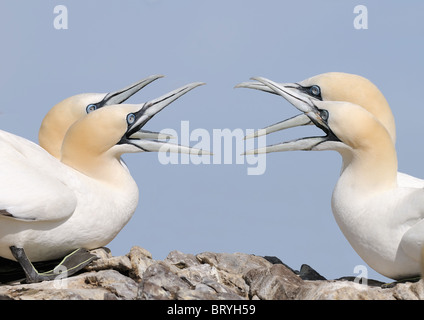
[[315, 90], [91, 108], [324, 115], [131, 118]]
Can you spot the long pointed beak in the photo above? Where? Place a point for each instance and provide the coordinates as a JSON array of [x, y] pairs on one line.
[[302, 102], [122, 95], [295, 145], [153, 107], [270, 87], [139, 137], [296, 121], [150, 135], [260, 86], [292, 95], [160, 146]]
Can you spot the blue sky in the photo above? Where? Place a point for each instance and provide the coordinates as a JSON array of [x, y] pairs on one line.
[[218, 207]]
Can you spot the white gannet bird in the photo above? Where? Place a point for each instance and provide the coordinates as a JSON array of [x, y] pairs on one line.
[[338, 86], [58, 120], [51, 207], [382, 221]]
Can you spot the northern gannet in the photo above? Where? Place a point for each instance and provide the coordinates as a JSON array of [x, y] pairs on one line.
[[51, 207], [65, 113], [382, 221], [338, 86]]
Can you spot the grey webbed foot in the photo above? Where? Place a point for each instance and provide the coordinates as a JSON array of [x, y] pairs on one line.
[[69, 265]]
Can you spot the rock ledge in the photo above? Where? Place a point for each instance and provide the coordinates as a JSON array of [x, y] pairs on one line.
[[205, 276]]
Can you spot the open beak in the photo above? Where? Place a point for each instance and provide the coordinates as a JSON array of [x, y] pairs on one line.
[[296, 121], [122, 95], [303, 102], [142, 139], [260, 86]]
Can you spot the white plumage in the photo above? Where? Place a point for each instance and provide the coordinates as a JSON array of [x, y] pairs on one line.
[[379, 210], [50, 207]]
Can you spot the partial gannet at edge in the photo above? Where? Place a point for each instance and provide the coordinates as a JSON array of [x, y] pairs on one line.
[[338, 86], [382, 221], [65, 113], [85, 199]]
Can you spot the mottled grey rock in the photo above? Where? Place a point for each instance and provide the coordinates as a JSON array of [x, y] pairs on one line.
[[233, 263], [159, 283], [106, 262], [219, 276], [185, 279], [273, 283], [140, 260], [181, 260], [102, 285], [116, 284]]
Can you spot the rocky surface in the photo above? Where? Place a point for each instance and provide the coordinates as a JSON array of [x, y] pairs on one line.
[[217, 276]]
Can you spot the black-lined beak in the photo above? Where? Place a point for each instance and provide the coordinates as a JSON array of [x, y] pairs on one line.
[[122, 95], [138, 137], [295, 89], [297, 96]]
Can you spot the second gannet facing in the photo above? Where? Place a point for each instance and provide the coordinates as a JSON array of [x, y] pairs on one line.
[[335, 86], [65, 113], [338, 86], [383, 222], [49, 208]]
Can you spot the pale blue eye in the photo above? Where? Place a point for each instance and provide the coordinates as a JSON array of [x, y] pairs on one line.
[[131, 118], [324, 115], [91, 108], [315, 90]]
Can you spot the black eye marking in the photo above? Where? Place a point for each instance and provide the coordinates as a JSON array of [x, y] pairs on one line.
[[324, 115], [130, 118], [90, 108], [313, 91]]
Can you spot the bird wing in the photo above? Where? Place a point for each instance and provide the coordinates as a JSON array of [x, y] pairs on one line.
[[412, 242], [410, 218], [31, 187], [405, 180]]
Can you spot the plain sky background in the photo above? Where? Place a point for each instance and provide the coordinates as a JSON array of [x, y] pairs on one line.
[[196, 208]]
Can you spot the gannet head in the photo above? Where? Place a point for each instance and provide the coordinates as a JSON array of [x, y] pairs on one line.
[[333, 86], [58, 120], [347, 126], [101, 137], [355, 133]]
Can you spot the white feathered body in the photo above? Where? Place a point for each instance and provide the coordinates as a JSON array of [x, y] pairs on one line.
[[56, 209]]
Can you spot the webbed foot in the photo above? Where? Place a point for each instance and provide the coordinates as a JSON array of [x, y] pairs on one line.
[[69, 265]]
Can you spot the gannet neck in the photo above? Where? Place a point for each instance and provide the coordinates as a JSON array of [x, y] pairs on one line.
[[371, 164], [58, 120], [90, 145], [339, 86]]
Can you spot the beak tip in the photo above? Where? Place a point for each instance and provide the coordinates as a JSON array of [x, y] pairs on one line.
[[204, 153]]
